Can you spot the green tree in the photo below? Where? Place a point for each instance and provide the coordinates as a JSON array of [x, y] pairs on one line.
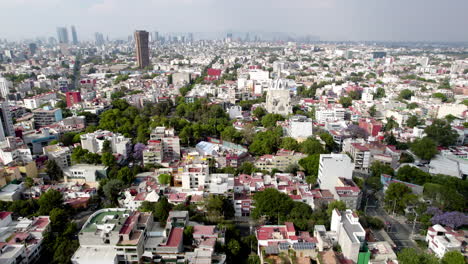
[[424, 148], [269, 120], [126, 175], [53, 170], [231, 134], [271, 204], [405, 94], [188, 235], [233, 247], [378, 168], [329, 141], [266, 142], [441, 96], [311, 166], [412, 174], [441, 132], [346, 101], [164, 179], [108, 159], [162, 209], [311, 146], [340, 205], [259, 112], [372, 111], [106, 147], [412, 256], [390, 125], [380, 93], [397, 197], [453, 257], [58, 219], [50, 200], [289, 143], [112, 190], [413, 121]]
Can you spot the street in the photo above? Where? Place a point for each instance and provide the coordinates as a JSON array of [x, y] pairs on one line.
[[398, 231]]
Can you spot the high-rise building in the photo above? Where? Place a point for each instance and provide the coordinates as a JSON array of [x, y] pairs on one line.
[[6, 128], [73, 98], [74, 35], [62, 34], [32, 48], [142, 48], [99, 38], [4, 87], [156, 36]]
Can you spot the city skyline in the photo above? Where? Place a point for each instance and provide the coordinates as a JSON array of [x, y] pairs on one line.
[[334, 20]]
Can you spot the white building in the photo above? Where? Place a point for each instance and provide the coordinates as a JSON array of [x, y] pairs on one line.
[[170, 143], [94, 142], [324, 115], [278, 99], [441, 240], [60, 154], [349, 232], [85, 173], [195, 176], [299, 127], [4, 87], [36, 101], [334, 166]]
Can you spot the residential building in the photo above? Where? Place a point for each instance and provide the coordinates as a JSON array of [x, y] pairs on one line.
[[94, 142], [85, 173], [36, 140], [349, 233], [170, 143], [281, 161], [113, 235], [21, 240], [46, 116], [60, 154], [38, 100], [441, 240], [73, 98], [299, 127], [153, 153], [361, 156], [278, 100], [276, 239], [334, 166]]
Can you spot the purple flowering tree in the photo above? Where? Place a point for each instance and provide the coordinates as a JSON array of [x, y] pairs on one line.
[[138, 151], [451, 219]]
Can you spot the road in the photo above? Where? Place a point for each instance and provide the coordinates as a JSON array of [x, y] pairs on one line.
[[398, 231]]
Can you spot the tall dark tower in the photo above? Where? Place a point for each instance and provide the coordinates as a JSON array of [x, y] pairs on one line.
[[74, 35], [142, 48], [62, 34]]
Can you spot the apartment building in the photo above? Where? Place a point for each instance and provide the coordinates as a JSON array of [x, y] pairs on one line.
[[94, 142], [46, 116], [441, 240], [60, 154], [349, 233]]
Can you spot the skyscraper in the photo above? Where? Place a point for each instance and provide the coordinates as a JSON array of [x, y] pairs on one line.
[[142, 48], [99, 38], [74, 35], [4, 87], [156, 36], [62, 34], [6, 122]]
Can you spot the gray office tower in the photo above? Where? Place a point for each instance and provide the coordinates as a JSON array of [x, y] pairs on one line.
[[62, 34], [142, 48], [6, 127], [74, 36]]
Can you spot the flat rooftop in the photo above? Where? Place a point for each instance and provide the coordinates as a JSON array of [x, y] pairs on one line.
[[105, 217]]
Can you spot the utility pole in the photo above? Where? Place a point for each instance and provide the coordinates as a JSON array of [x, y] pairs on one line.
[[414, 224]]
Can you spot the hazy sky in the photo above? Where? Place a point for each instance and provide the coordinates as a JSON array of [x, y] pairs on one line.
[[413, 20]]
